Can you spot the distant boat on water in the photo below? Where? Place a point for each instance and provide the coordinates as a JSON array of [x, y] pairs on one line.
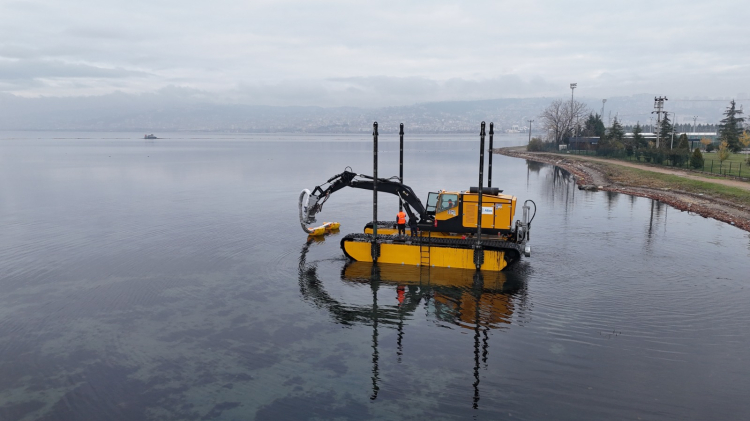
[[149, 136]]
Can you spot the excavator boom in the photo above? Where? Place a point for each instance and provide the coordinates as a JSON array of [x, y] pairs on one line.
[[311, 203]]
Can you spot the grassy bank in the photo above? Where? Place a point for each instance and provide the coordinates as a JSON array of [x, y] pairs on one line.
[[736, 165], [644, 178], [714, 197]]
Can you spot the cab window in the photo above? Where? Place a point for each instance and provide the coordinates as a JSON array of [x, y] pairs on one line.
[[447, 201], [432, 200]]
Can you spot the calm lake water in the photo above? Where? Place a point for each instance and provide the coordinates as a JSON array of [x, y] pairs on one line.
[[170, 280]]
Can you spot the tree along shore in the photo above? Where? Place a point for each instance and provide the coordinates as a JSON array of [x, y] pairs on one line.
[[721, 199]]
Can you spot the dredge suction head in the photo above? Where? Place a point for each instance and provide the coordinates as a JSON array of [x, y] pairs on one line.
[[305, 218]]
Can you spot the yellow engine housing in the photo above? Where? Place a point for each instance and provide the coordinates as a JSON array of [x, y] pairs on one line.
[[497, 210]]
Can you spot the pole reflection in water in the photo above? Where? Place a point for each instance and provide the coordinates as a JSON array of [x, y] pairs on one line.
[[465, 299], [478, 284], [655, 217], [374, 285]]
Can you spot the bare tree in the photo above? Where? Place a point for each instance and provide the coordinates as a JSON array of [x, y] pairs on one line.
[[554, 120], [561, 118]]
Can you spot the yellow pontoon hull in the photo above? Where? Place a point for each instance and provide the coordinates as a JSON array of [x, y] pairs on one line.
[[411, 253]]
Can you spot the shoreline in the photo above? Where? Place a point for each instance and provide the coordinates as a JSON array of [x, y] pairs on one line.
[[595, 175]]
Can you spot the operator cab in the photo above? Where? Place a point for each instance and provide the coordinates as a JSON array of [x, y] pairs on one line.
[[447, 201], [440, 201]]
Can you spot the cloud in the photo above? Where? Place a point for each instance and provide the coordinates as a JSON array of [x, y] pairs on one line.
[[293, 52], [42, 69]]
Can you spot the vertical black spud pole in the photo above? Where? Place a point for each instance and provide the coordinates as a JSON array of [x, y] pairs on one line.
[[401, 162], [374, 249], [478, 255], [489, 158]]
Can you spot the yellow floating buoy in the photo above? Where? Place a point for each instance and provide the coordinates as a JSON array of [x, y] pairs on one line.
[[326, 227]]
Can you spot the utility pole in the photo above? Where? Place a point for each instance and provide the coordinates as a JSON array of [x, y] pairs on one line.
[[659, 106], [530, 121]]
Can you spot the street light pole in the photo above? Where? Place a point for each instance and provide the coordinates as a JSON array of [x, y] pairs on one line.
[[603, 101], [530, 121], [572, 87]]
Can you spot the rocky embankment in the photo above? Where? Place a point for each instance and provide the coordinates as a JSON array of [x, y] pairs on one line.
[[592, 175]]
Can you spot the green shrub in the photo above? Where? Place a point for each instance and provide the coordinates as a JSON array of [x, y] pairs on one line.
[[678, 157], [535, 145], [538, 145], [696, 160], [709, 147], [659, 157]]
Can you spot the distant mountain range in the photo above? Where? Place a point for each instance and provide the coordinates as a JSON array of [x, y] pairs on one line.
[[185, 112]]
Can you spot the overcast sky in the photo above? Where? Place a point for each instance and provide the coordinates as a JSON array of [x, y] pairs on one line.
[[375, 53]]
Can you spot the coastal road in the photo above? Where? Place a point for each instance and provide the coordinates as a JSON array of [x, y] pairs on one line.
[[673, 171], [744, 185]]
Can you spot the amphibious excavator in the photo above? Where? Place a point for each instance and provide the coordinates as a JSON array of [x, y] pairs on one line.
[[456, 229]]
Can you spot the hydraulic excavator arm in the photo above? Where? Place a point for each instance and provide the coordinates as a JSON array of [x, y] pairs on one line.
[[311, 203]]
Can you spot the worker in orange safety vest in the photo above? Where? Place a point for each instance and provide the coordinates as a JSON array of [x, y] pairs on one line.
[[401, 222]]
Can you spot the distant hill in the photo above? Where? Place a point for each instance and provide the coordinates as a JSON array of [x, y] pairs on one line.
[[188, 111]]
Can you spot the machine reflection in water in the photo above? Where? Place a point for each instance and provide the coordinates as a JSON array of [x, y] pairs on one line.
[[466, 299]]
